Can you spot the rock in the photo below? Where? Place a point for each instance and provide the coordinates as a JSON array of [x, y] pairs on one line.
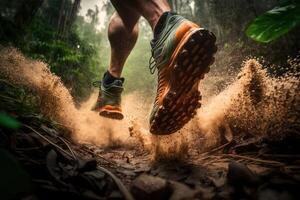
[[115, 195], [239, 174], [148, 187], [242, 180], [206, 193], [181, 192], [198, 176], [87, 165]]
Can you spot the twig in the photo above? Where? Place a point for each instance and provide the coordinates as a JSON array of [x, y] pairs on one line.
[[121, 186], [271, 162], [49, 141], [70, 149], [216, 149]]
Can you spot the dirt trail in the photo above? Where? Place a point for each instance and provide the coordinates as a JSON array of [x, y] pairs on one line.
[[254, 103]]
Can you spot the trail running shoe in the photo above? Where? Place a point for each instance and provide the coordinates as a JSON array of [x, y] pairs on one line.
[[109, 100], [182, 54]]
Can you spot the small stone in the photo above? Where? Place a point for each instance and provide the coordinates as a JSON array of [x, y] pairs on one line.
[[115, 195], [148, 187], [239, 174], [181, 191]]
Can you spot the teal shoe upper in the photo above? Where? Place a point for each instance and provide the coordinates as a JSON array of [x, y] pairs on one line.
[[109, 94], [164, 44]]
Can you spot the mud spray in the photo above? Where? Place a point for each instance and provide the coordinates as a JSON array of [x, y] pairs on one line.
[[253, 103]]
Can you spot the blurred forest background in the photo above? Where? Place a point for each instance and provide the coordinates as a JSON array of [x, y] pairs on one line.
[[71, 37]]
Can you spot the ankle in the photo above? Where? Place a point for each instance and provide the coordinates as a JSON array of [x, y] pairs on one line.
[[115, 73], [154, 15]]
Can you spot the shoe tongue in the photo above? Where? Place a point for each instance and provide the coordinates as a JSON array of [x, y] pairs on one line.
[[160, 26], [161, 23], [108, 79]]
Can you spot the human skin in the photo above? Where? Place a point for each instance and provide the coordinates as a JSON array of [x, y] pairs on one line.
[[123, 28]]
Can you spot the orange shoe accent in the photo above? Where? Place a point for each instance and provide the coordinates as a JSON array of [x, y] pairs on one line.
[[183, 35], [178, 97], [113, 112]]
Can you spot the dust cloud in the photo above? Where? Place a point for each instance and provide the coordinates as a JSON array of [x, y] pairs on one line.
[[57, 103], [253, 103]]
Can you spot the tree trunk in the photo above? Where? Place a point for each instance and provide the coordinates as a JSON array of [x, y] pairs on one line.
[[74, 11], [67, 16], [26, 12], [61, 18]]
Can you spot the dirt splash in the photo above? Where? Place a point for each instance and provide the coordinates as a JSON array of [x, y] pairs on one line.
[[57, 103], [253, 103]]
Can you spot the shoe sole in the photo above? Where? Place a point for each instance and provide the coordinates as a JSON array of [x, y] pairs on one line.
[[189, 63], [111, 114]]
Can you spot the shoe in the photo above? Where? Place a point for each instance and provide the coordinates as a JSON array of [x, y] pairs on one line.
[[109, 100], [182, 53]]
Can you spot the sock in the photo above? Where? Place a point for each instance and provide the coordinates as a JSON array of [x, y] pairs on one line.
[[108, 78], [161, 22]]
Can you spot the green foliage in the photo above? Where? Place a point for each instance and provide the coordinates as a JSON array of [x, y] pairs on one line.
[[23, 104], [275, 22], [136, 71], [71, 51], [75, 58], [8, 122]]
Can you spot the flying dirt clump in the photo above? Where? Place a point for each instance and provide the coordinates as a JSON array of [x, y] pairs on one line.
[[255, 104]]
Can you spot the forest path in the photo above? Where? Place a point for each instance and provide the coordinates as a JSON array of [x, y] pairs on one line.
[[219, 172], [251, 122]]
